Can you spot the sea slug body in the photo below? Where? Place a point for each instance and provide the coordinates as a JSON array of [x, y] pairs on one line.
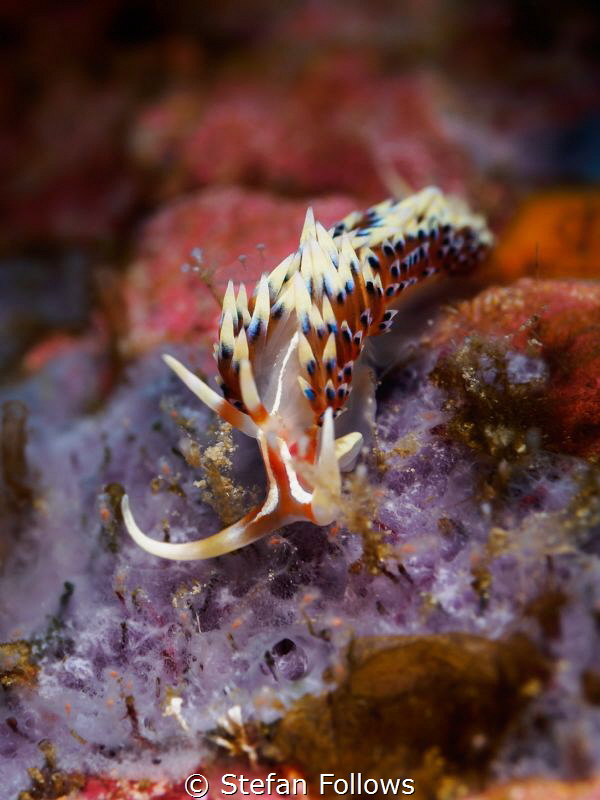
[[289, 355]]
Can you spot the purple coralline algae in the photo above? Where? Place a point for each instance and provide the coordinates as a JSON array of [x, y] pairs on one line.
[[463, 574]]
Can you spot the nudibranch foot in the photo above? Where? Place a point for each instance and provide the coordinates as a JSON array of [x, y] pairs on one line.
[[292, 357]]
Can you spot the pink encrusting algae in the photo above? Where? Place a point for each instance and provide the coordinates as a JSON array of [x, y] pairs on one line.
[[287, 356]]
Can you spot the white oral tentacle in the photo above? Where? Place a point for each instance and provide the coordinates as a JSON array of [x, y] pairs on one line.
[[253, 526], [328, 482], [347, 449], [211, 399]]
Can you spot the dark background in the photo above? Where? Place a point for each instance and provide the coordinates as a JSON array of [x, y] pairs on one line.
[[108, 112]]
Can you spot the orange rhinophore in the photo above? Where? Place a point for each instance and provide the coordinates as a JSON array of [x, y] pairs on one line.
[[291, 358]]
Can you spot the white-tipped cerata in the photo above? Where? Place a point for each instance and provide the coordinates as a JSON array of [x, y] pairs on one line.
[[308, 228], [328, 484], [211, 399], [229, 304], [248, 389]]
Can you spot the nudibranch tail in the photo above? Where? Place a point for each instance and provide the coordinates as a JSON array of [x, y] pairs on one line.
[[288, 356]]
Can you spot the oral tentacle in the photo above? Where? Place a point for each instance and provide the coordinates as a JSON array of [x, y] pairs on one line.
[[286, 502], [347, 449], [326, 496], [253, 526], [211, 399]]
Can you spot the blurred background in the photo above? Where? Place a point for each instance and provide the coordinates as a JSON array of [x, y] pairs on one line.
[[151, 150], [115, 111]]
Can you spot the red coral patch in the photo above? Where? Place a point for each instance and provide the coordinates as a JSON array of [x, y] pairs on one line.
[[562, 320], [172, 297]]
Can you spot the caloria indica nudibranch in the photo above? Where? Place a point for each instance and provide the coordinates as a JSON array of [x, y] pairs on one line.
[[289, 355]]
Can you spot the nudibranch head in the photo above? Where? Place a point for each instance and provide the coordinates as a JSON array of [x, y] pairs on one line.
[[287, 355]]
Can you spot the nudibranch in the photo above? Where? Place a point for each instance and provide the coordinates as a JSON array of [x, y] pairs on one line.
[[289, 355]]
